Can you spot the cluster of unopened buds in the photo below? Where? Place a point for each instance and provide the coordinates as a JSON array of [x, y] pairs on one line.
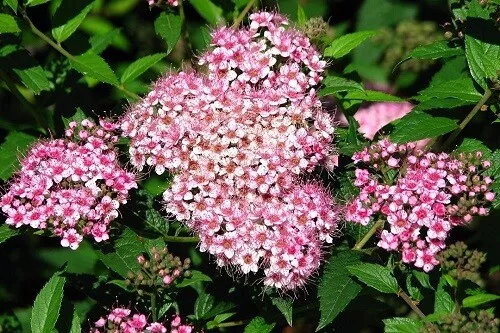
[[461, 263], [122, 320], [71, 187], [161, 270], [421, 195], [237, 140]]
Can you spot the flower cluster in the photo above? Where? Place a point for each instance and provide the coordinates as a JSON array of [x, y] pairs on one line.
[[461, 263], [72, 186], [421, 195], [160, 271], [237, 140], [173, 3], [121, 320]]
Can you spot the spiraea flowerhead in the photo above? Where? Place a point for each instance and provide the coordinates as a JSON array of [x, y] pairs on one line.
[[420, 195], [237, 139], [71, 187]]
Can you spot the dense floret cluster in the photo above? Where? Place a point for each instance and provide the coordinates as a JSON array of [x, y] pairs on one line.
[[122, 320], [71, 187], [421, 195], [237, 139]]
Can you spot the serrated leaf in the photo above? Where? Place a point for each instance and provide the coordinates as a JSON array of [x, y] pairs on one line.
[[76, 327], [100, 42], [372, 96], [476, 300], [196, 276], [462, 89], [436, 50], [14, 146], [334, 84], [441, 103], [203, 305], [285, 306], [139, 66], [413, 290], [375, 276], [8, 24], [124, 257], [470, 145], [337, 289], [156, 222], [94, 66], [208, 10], [345, 44], [7, 232], [418, 125], [47, 305], [402, 325], [443, 301], [32, 3], [259, 325], [494, 170], [482, 45], [12, 4], [169, 27], [68, 17]]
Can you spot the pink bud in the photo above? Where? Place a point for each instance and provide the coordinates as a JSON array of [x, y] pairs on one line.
[[490, 196]]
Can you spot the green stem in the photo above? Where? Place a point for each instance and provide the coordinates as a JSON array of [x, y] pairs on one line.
[[58, 47], [412, 304], [234, 323], [178, 239], [359, 245], [42, 123], [153, 306], [243, 13], [187, 40], [477, 107]]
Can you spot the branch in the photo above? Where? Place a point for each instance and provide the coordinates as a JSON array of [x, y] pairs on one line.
[[178, 239], [477, 107], [412, 304], [243, 13], [359, 245]]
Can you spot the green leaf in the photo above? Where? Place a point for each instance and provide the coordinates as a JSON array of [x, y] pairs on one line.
[[139, 66], [47, 305], [345, 44], [76, 327], [452, 69], [210, 12], [169, 27], [156, 222], [124, 257], [334, 84], [475, 300], [436, 50], [372, 96], [196, 276], [78, 116], [32, 3], [220, 318], [494, 170], [469, 145], [8, 24], [80, 261], [7, 232], [94, 66], [100, 42], [285, 306], [413, 290], [482, 45], [423, 278], [15, 144], [204, 303], [337, 289], [441, 103], [12, 4], [301, 17], [375, 276], [68, 17], [375, 14], [259, 325], [443, 301], [156, 185], [418, 125], [462, 89], [402, 325]]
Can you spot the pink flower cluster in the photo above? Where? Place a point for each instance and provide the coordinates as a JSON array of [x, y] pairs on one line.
[[72, 186], [121, 320], [422, 196], [237, 140], [173, 3]]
